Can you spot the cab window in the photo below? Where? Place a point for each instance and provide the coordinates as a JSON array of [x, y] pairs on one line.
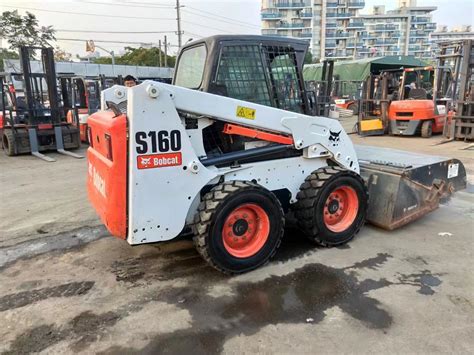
[[191, 67]]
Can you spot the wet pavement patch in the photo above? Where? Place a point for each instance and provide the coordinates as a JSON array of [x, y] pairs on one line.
[[425, 280], [308, 292], [82, 330], [24, 298]]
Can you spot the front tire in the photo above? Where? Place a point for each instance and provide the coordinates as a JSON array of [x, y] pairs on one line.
[[427, 129], [331, 206], [8, 142], [238, 226]]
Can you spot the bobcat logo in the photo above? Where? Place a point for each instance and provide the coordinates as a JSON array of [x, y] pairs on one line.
[[334, 138], [146, 161]]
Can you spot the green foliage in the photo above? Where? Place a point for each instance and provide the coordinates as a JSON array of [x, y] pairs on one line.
[[308, 58], [140, 56], [6, 54], [25, 30]]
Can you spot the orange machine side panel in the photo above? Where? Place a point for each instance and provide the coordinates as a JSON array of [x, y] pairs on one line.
[[107, 170], [411, 110]]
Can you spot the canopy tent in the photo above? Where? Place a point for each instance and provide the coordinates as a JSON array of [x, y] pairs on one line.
[[357, 70]]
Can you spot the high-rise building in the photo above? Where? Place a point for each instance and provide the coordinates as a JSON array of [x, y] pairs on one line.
[[442, 34], [404, 31], [322, 22], [335, 29]]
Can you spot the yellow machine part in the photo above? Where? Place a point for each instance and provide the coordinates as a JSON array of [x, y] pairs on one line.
[[371, 125]]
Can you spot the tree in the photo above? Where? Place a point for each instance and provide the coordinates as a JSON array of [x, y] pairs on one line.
[[25, 30], [6, 54], [308, 58], [140, 56]]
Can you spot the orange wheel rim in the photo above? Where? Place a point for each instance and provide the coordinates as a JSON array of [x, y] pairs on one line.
[[340, 209], [245, 230]]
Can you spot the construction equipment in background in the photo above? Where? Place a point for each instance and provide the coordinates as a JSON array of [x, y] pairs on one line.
[[232, 148], [460, 56], [34, 120], [377, 93], [82, 96], [422, 105], [319, 91], [347, 94]]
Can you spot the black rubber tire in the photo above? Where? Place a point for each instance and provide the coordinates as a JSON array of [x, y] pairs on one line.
[[309, 208], [354, 108], [427, 129], [8, 142], [212, 213]]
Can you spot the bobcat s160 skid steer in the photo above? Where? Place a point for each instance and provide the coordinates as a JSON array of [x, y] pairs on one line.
[[231, 149]]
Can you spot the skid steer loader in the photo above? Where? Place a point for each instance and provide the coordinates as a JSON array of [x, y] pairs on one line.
[[232, 148]]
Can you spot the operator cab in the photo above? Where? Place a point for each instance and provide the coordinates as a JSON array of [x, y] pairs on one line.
[[260, 69]]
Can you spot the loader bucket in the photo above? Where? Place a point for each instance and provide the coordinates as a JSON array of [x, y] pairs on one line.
[[404, 186]]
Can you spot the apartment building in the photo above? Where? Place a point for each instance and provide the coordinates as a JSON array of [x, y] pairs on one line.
[[328, 25], [336, 29], [405, 30], [443, 34]]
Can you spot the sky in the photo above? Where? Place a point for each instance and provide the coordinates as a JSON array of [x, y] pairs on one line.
[[91, 19]]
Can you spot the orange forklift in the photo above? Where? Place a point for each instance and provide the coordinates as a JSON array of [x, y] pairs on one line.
[[422, 105]]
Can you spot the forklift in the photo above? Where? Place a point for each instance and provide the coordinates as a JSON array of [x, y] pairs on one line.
[[422, 105], [82, 97], [232, 150], [34, 118]]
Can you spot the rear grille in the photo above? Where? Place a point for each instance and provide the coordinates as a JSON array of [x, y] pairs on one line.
[[404, 114]]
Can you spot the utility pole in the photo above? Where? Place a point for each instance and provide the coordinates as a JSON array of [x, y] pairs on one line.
[[166, 52], [159, 52], [178, 19]]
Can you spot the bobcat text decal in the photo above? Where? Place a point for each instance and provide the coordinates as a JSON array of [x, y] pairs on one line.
[[158, 149]]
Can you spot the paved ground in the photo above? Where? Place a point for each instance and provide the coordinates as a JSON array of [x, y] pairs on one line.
[[67, 286]]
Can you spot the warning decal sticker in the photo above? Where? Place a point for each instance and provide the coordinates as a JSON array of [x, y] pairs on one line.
[[158, 160], [245, 112]]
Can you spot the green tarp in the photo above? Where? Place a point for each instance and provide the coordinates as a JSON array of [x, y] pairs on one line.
[[357, 70]]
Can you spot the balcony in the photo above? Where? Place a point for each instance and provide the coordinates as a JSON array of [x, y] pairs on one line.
[[430, 26], [356, 25], [385, 42], [356, 4], [418, 34], [269, 15], [306, 14], [331, 25], [331, 4], [291, 25], [421, 20], [293, 4], [344, 15], [352, 44], [330, 44], [341, 35], [305, 34]]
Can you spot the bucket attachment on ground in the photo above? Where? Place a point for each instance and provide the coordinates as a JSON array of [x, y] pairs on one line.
[[404, 186]]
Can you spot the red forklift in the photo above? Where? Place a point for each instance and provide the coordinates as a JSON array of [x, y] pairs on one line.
[[33, 118], [422, 105]]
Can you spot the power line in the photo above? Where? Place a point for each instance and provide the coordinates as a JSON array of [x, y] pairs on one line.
[[122, 32], [212, 28], [89, 14], [224, 21], [128, 4], [110, 41], [221, 17]]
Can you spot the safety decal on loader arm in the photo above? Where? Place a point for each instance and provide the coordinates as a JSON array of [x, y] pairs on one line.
[[245, 112]]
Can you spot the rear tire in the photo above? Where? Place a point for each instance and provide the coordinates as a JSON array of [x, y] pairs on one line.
[[332, 205], [354, 108], [427, 129], [8, 142], [223, 232]]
